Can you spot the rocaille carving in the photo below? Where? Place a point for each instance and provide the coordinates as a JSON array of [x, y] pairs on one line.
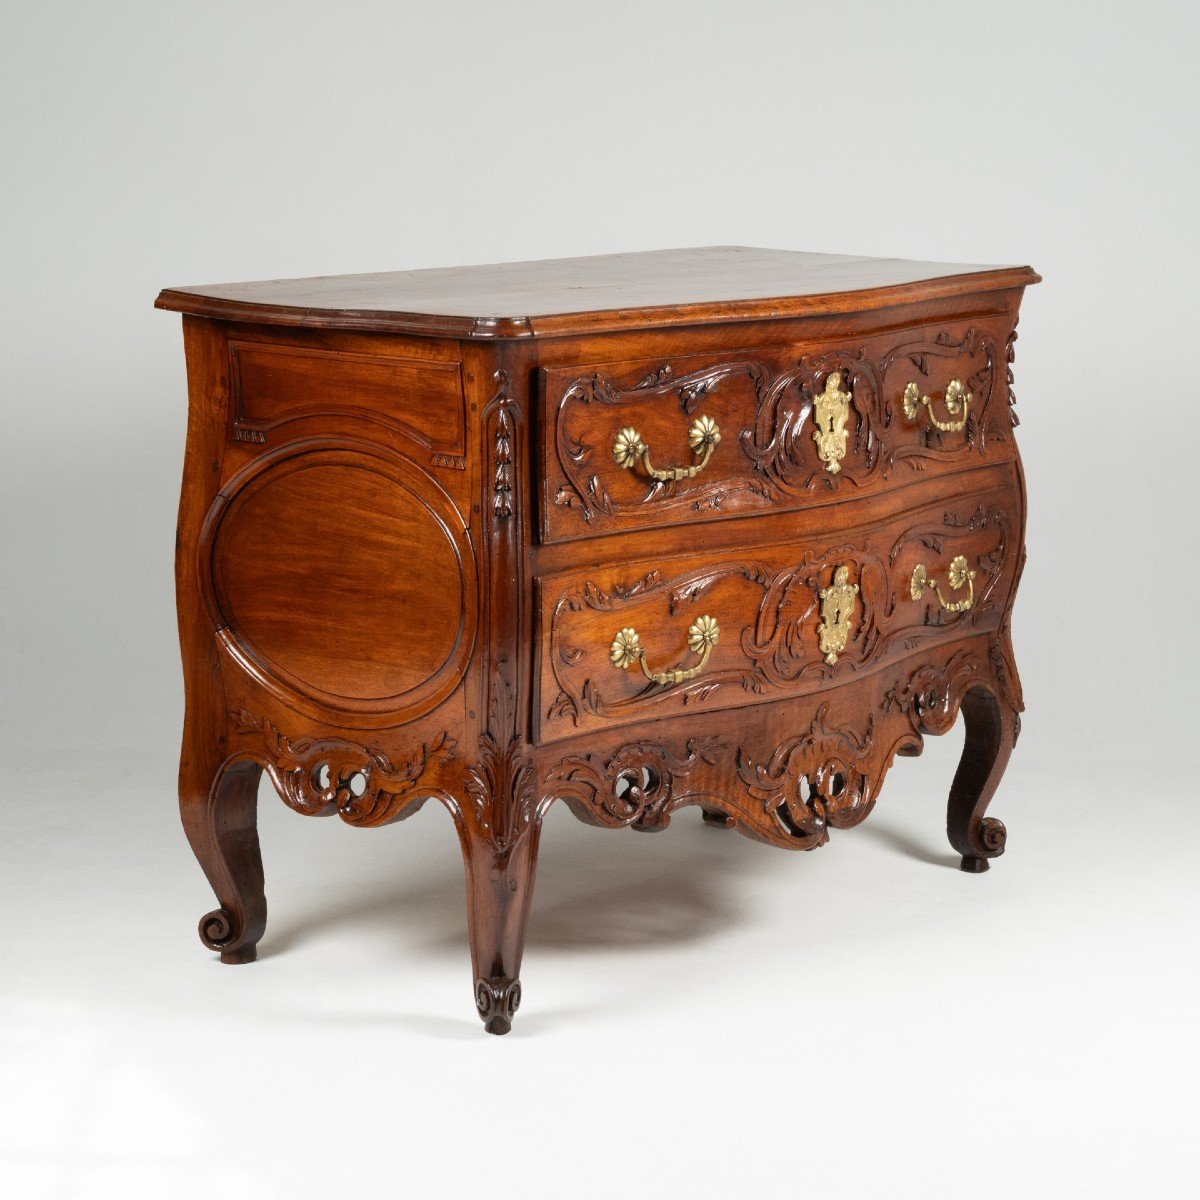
[[320, 776], [807, 616], [638, 785], [800, 434], [810, 782], [790, 793], [818, 664]]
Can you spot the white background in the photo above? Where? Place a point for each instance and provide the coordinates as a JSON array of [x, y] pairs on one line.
[[700, 1013]]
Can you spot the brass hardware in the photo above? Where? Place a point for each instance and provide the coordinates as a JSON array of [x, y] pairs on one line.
[[830, 410], [701, 638], [960, 575], [837, 609], [703, 436], [957, 399]]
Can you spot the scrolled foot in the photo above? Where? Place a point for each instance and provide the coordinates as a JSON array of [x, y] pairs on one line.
[[989, 841], [716, 818], [497, 1000], [217, 932]]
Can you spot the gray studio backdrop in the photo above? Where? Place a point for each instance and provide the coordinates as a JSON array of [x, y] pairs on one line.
[[147, 144]]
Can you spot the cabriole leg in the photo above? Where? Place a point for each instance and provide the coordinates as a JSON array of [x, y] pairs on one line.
[[220, 818], [992, 729], [499, 890]]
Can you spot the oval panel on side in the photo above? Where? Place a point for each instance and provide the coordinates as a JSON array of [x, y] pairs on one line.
[[344, 576]]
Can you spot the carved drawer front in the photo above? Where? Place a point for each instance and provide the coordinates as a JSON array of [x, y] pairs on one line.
[[649, 639], [631, 445]]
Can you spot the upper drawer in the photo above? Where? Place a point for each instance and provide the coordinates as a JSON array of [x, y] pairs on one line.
[[634, 444]]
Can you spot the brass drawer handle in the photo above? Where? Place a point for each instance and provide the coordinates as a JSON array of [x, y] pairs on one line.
[[960, 575], [957, 399], [701, 638], [703, 436]]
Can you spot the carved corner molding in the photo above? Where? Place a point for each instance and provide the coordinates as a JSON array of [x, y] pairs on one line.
[[321, 776]]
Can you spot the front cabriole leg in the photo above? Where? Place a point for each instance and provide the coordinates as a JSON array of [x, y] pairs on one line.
[[500, 824], [500, 867]]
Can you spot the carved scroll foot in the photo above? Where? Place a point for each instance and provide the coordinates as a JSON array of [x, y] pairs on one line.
[[991, 733], [220, 819], [497, 1000], [716, 818], [499, 890]]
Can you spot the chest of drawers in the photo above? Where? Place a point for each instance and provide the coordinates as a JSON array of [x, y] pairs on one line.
[[724, 528]]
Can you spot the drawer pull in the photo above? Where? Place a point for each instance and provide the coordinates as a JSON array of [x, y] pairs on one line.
[[957, 399], [701, 638], [703, 436], [960, 575]]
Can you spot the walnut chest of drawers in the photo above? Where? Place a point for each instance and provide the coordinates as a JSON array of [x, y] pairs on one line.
[[730, 528]]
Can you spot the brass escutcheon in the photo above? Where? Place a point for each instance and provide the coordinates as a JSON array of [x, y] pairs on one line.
[[830, 410], [701, 638], [837, 611], [629, 449], [957, 399]]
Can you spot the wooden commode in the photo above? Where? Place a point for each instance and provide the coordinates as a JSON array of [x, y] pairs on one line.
[[725, 527]]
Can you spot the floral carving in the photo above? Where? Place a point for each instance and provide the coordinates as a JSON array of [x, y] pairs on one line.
[[502, 483], [1010, 357], [319, 776]]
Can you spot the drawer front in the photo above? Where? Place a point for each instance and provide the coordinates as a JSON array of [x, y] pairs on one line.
[[683, 634], [632, 445]]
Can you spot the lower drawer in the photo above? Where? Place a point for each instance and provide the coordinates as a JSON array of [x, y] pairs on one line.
[[639, 640]]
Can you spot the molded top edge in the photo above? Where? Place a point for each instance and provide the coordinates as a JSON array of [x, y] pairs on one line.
[[647, 289]]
